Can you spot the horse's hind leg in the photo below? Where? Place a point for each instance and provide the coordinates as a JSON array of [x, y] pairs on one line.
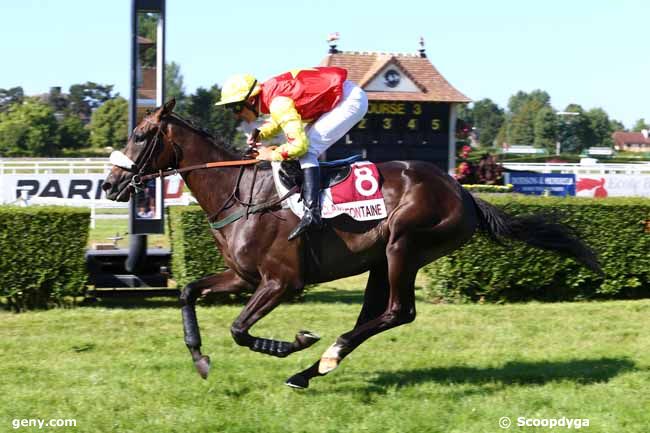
[[375, 301], [226, 282]]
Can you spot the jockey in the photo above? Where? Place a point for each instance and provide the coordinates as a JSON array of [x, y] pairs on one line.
[[314, 108]]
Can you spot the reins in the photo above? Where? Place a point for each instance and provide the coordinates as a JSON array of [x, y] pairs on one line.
[[249, 207], [236, 163]]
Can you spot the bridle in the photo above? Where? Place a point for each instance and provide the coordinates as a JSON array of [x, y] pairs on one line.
[[147, 155], [144, 159]]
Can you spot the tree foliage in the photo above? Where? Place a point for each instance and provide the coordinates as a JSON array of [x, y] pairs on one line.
[[109, 124], [218, 121], [73, 132], [87, 97], [545, 127], [29, 129], [174, 82], [488, 119], [599, 131], [11, 96], [523, 109], [640, 125]]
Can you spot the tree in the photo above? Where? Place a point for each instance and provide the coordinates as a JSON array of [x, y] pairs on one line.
[[640, 125], [217, 121], [523, 108], [487, 118], [616, 125], [15, 95], [174, 82], [73, 132], [520, 99], [545, 127], [599, 128], [29, 129], [57, 100], [84, 98], [573, 131], [521, 128], [109, 124]]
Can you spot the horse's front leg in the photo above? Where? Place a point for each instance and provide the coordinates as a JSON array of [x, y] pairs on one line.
[[267, 296], [226, 282]]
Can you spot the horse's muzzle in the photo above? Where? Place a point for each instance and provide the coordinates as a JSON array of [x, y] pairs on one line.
[[118, 191]]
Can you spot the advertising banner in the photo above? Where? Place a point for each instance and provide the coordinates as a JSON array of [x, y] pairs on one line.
[[75, 187], [613, 185], [559, 184]]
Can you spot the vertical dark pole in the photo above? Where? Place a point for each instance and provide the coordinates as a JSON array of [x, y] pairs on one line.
[[137, 243]]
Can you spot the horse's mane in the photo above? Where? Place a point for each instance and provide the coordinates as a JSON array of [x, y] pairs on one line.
[[216, 141]]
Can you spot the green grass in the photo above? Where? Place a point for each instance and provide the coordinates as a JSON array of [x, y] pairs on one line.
[[105, 228], [123, 367]]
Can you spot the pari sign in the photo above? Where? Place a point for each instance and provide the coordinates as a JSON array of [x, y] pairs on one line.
[[559, 184], [67, 186]]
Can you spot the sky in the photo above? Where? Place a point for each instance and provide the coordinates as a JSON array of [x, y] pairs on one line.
[[590, 52]]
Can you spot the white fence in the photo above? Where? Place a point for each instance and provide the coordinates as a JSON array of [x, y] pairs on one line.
[[54, 165]]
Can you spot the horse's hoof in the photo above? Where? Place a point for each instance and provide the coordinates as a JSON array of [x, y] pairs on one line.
[[306, 338], [298, 382], [203, 366], [328, 364]]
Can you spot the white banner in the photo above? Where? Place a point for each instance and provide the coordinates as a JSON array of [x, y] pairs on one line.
[[76, 187], [612, 185]]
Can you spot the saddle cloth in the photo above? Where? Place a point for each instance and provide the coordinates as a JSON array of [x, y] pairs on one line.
[[358, 195]]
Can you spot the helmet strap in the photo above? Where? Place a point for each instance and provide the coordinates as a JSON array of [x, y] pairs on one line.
[[247, 104]]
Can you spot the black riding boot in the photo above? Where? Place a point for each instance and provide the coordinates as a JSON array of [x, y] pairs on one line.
[[311, 202]]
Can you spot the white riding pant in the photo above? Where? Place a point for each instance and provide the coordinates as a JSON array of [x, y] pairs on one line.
[[333, 125]]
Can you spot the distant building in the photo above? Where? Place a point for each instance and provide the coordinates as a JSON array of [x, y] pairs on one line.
[[412, 108], [631, 141]]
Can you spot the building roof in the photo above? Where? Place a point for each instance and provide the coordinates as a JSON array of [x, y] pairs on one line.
[[626, 138], [364, 67]]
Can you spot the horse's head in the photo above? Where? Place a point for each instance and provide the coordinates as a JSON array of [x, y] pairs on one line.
[[148, 150]]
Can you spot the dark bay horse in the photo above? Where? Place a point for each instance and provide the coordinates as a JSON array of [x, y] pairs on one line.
[[430, 215]]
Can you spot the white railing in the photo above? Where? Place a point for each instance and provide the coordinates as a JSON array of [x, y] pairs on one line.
[[54, 165]]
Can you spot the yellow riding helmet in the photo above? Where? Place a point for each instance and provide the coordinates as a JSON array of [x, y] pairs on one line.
[[238, 88]]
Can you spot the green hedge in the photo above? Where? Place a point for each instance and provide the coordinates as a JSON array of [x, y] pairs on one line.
[[194, 253], [494, 189], [42, 255], [484, 271]]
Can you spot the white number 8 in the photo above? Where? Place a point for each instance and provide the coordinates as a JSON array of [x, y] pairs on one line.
[[364, 174]]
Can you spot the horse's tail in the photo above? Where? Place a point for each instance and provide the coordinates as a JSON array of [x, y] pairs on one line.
[[538, 230]]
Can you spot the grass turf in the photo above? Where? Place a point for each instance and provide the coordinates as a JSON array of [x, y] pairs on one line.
[[458, 368]]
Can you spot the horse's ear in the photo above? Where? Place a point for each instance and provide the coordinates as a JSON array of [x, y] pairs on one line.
[[169, 106], [166, 109]]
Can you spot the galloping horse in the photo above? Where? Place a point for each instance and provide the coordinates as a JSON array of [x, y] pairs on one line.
[[429, 215]]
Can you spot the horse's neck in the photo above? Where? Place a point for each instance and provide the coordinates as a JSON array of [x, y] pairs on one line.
[[211, 187]]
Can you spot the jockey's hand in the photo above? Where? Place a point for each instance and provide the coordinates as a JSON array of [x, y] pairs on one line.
[[251, 140], [264, 152]]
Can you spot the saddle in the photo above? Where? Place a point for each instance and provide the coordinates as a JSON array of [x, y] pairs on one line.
[[331, 172]]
